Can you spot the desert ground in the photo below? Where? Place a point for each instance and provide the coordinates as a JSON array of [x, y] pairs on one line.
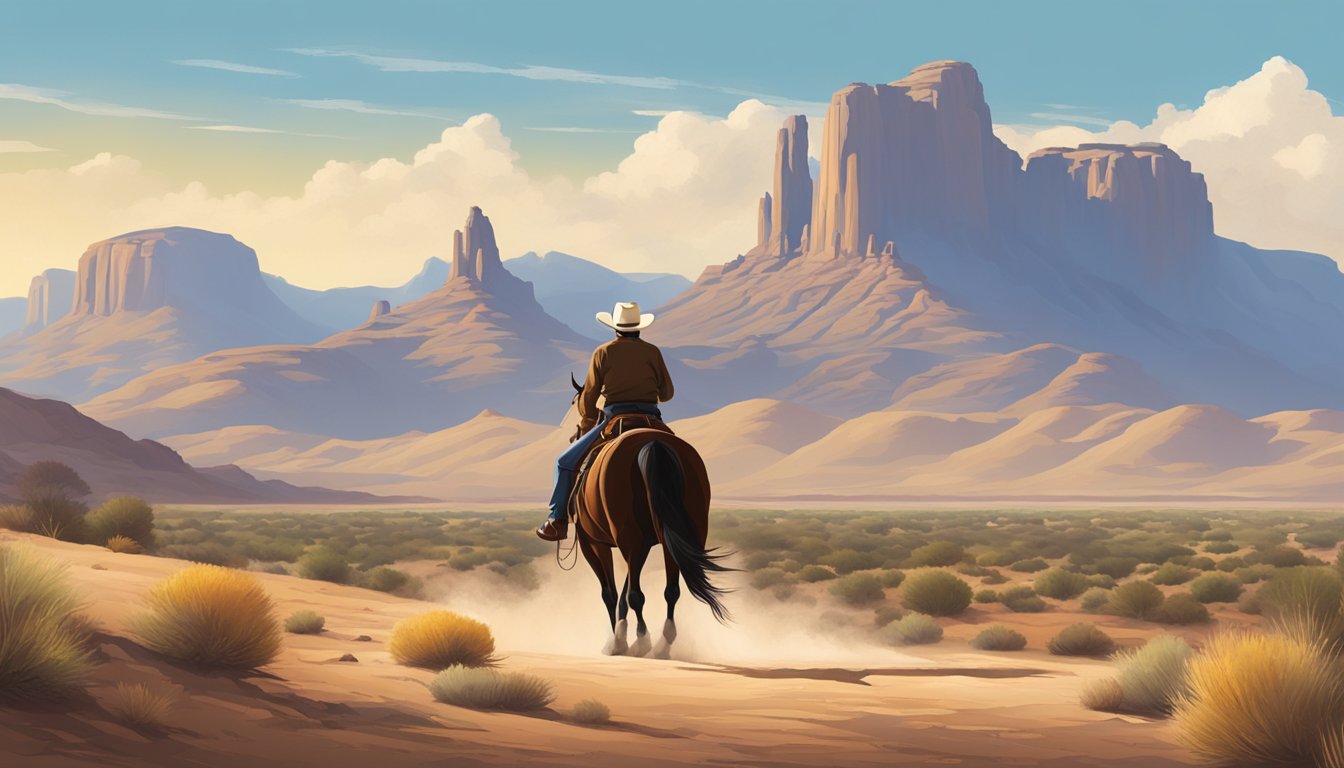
[[772, 689]]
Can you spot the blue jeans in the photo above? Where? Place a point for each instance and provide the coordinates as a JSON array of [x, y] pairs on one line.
[[567, 466]]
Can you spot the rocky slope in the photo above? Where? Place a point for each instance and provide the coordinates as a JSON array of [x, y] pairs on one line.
[[142, 301], [481, 340], [37, 430]]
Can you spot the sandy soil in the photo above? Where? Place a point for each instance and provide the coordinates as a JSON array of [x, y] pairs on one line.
[[943, 705]]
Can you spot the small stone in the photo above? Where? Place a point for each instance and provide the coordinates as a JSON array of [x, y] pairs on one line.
[[98, 567], [363, 639], [348, 657]]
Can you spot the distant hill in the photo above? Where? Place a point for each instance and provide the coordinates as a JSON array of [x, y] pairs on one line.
[[338, 309], [572, 290], [12, 312]]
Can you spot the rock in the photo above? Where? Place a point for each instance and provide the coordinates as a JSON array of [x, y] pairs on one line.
[[50, 298], [475, 254], [380, 308], [363, 639], [98, 567], [792, 203], [763, 222], [349, 657]]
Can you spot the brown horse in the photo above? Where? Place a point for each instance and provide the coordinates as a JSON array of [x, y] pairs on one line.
[[644, 488]]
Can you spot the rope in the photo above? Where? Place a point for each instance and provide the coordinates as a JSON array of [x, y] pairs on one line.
[[572, 554]]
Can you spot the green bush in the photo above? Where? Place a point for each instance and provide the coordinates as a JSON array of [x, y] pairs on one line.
[[1081, 639], [305, 623], [57, 517], [490, 689], [1201, 563], [1171, 574], [885, 614], [1254, 573], [999, 637], [913, 629], [1135, 599], [392, 581], [1318, 539], [986, 596], [42, 647], [1022, 599], [936, 593], [1095, 599], [1060, 584], [846, 561], [857, 589], [766, 578], [936, 554], [891, 578], [1230, 564], [993, 577], [1306, 596], [815, 573], [325, 565], [1216, 588], [1153, 678], [122, 516], [206, 554], [1182, 609], [51, 478], [1281, 556], [1220, 547], [1031, 565], [1117, 567]]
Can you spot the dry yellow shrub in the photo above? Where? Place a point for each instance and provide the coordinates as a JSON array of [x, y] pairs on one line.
[[211, 616], [440, 639]]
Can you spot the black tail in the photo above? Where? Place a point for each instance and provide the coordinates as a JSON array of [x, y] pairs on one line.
[[664, 481]]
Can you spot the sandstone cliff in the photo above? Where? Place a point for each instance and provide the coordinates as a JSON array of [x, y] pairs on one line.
[[50, 298]]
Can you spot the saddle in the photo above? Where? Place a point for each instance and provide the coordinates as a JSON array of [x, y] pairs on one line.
[[612, 428]]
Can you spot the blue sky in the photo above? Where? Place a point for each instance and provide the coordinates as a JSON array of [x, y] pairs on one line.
[[1044, 62]]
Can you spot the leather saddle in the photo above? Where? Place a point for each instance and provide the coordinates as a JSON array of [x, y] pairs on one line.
[[612, 428]]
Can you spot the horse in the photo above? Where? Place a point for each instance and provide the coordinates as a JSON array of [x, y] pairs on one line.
[[644, 488]]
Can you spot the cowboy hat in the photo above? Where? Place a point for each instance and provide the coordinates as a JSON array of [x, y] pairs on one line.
[[625, 317]]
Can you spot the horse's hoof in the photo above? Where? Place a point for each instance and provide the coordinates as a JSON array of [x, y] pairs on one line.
[[615, 647], [663, 650], [642, 646], [669, 631]]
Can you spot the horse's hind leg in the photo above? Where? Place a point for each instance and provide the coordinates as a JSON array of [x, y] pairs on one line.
[[642, 644], [663, 650], [599, 557]]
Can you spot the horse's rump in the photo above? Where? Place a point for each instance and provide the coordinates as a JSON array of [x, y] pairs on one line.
[[613, 506]]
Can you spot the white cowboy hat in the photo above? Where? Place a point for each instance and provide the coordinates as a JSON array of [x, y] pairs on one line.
[[625, 317]]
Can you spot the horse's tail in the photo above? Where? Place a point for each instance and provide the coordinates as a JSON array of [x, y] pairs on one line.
[[665, 484]]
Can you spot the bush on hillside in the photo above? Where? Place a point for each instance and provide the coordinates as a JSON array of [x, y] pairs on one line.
[[999, 637], [212, 617], [441, 639], [1081, 639], [42, 645], [936, 593], [490, 689], [125, 516]]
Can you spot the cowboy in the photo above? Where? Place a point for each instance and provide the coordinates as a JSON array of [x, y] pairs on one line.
[[630, 373]]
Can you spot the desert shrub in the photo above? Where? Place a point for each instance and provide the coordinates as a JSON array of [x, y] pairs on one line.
[[886, 614], [937, 593], [1254, 573], [1220, 547], [1135, 599], [1060, 584], [1308, 597], [1101, 580], [490, 689], [1022, 599], [857, 589], [591, 712], [125, 516], [140, 707], [1216, 588], [972, 569], [1094, 599], [1257, 699], [999, 637], [393, 581], [42, 649], [1281, 556], [986, 596], [1145, 569], [305, 623], [325, 565], [1117, 567], [1103, 695], [1230, 564], [766, 578], [937, 553], [1152, 678], [1030, 565], [124, 545], [1319, 538], [1081, 639], [1181, 609], [206, 554], [1171, 574], [16, 517], [891, 578], [993, 557], [1201, 563], [441, 639], [994, 577], [212, 617], [848, 561], [815, 573], [56, 516], [913, 629]]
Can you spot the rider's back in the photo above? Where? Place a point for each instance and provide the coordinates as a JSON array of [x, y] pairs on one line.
[[629, 370]]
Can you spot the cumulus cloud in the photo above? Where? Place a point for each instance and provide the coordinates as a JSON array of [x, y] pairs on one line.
[[1269, 147], [683, 198]]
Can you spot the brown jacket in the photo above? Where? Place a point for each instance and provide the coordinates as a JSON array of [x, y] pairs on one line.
[[624, 370]]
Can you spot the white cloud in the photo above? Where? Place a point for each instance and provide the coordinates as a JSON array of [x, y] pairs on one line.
[[18, 146], [229, 66], [233, 129], [360, 107], [35, 95], [683, 198], [1270, 149], [530, 72]]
